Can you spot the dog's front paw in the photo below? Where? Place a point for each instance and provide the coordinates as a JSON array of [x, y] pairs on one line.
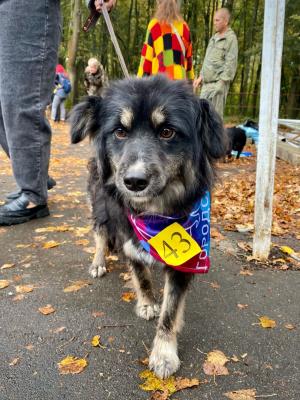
[[97, 270], [147, 311], [164, 360]]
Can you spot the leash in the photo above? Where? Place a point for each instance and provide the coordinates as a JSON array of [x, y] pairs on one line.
[[92, 20]]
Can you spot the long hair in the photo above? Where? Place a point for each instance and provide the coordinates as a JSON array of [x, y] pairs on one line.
[[168, 11]]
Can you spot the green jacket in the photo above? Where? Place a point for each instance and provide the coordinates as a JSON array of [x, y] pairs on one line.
[[220, 59]]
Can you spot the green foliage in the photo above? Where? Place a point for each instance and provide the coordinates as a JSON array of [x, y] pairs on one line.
[[130, 19]]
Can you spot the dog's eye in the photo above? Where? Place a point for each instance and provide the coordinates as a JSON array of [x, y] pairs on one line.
[[120, 133], [167, 133]]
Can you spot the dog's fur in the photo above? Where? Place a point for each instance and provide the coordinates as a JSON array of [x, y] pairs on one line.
[[236, 140], [155, 144]]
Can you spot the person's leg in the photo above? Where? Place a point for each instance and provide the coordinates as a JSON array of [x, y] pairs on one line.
[[55, 106], [29, 38], [3, 140], [62, 110]]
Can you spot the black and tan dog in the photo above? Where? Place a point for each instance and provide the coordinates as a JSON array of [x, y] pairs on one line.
[[155, 144]]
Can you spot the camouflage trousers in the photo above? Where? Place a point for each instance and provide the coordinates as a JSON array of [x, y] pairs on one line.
[[216, 92]]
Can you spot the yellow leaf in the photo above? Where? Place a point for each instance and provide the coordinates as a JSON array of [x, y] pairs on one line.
[[128, 296], [244, 394], [266, 322], [50, 244], [48, 309], [286, 250], [76, 286], [3, 283], [96, 341], [6, 266], [153, 383], [24, 288], [72, 365]]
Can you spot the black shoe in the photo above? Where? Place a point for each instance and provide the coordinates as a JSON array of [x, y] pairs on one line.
[[16, 212], [14, 195]]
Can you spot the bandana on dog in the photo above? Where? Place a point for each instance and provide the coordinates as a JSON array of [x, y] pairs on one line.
[[181, 242]]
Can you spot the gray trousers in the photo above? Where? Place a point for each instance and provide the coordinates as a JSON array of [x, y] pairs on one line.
[[216, 92], [58, 103], [29, 39]]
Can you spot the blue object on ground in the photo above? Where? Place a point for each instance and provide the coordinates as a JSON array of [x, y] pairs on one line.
[[243, 153]]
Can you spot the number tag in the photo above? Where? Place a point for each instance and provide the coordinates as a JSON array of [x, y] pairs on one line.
[[174, 245]]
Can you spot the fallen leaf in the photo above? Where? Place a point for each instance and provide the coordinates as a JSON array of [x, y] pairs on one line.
[[48, 309], [4, 284], [24, 288], [242, 306], [6, 266], [51, 244], [82, 231], [58, 330], [128, 296], [246, 272], [62, 228], [244, 246], [96, 341], [163, 388], [184, 383], [215, 363], [97, 314], [244, 228], [243, 394], [76, 286], [289, 326], [90, 250], [145, 361], [266, 322], [126, 276], [215, 285], [72, 365], [112, 258], [18, 297], [234, 358], [215, 234], [14, 361], [82, 242], [153, 383], [29, 347]]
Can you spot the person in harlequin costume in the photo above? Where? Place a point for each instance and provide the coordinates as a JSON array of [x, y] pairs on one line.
[[167, 48]]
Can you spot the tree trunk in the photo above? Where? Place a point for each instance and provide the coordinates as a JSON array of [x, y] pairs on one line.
[[74, 29]]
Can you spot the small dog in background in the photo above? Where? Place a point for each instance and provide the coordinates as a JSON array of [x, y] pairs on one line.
[[155, 144], [236, 140]]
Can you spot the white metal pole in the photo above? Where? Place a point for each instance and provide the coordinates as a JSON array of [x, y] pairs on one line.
[[268, 125]]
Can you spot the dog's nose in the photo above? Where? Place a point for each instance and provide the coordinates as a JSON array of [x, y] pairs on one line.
[[136, 182]]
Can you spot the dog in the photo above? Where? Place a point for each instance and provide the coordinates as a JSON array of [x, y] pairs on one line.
[[236, 140], [155, 147]]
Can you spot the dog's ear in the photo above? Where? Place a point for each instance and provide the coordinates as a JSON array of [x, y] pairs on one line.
[[85, 118], [211, 130]]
